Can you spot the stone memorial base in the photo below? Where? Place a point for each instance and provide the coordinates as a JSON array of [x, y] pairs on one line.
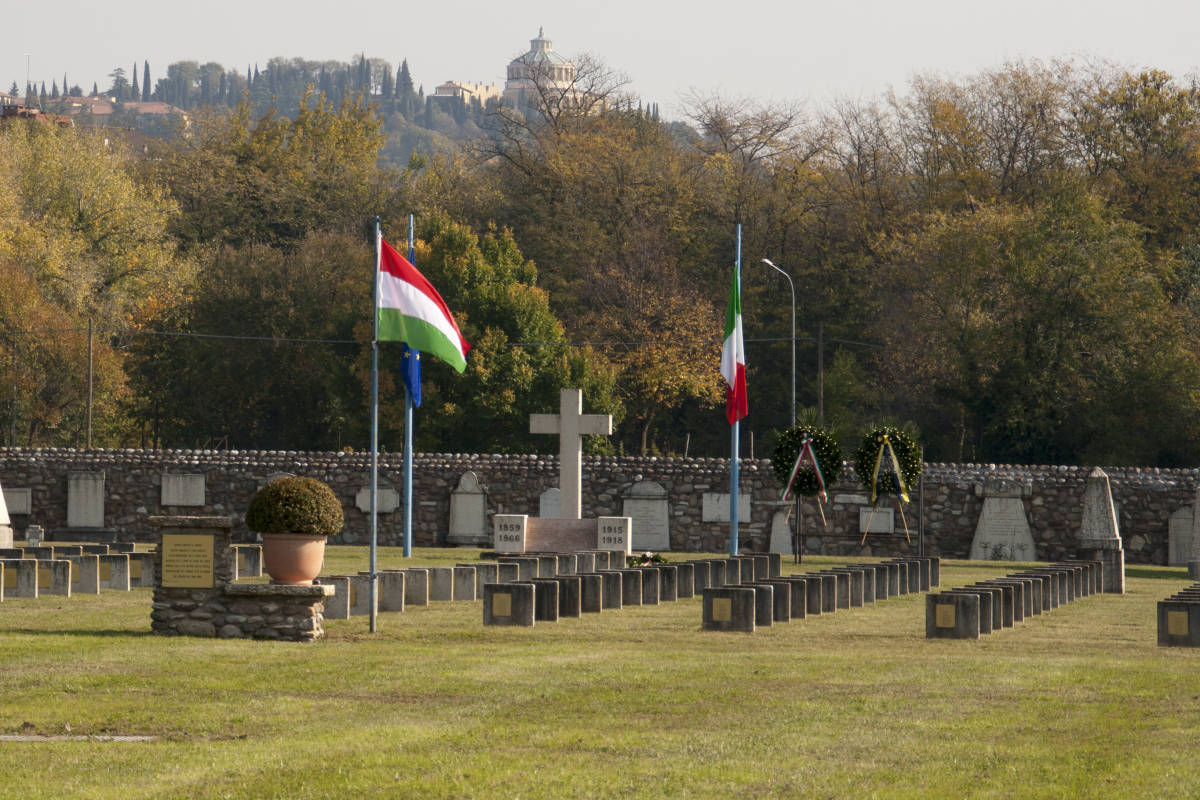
[[248, 611]]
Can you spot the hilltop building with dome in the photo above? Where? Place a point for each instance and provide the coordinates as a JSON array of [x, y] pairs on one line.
[[539, 64]]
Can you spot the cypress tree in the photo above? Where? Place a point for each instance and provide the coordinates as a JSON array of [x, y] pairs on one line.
[[53, 90], [134, 92], [145, 81]]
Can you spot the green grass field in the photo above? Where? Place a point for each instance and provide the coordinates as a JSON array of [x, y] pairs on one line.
[[640, 702]]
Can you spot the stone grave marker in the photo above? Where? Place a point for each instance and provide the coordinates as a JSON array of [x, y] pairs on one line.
[[1002, 533], [1099, 534], [337, 605], [85, 500], [545, 599], [35, 535], [591, 592], [729, 609], [714, 507], [20, 577], [416, 587], [182, 489], [510, 532], [468, 513], [550, 503], [6, 533], [1179, 537], [570, 424], [441, 584], [391, 589], [952, 616], [508, 604], [647, 505], [387, 499]]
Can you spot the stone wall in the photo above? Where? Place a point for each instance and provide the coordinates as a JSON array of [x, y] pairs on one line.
[[946, 506]]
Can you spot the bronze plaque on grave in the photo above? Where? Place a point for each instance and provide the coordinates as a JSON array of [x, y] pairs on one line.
[[722, 609], [502, 604], [945, 615], [187, 560], [10, 578], [74, 572], [1177, 623], [135, 569], [43, 578]]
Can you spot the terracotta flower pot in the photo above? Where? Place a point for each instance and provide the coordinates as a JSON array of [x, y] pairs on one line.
[[293, 558]]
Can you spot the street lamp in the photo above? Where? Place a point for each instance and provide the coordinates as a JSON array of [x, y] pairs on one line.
[[792, 286]]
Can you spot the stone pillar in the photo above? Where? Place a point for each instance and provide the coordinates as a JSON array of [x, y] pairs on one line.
[[1099, 535]]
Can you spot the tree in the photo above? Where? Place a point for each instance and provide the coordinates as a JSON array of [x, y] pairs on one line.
[[519, 358], [273, 180], [1042, 333], [145, 81]]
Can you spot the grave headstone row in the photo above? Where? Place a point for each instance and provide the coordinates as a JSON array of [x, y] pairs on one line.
[[546, 587], [1179, 618], [966, 612], [73, 569], [751, 592]]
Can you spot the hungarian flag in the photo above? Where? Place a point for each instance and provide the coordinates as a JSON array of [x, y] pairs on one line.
[[411, 311], [733, 357]]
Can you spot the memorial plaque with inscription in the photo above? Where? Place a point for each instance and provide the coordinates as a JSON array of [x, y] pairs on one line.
[[187, 561], [647, 506], [510, 532]]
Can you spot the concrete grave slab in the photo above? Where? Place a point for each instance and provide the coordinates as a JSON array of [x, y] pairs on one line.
[[337, 605], [416, 587], [441, 584], [729, 608], [509, 604], [952, 616], [591, 593], [545, 599]]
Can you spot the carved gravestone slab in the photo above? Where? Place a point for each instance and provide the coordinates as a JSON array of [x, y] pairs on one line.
[[715, 507], [647, 505], [387, 499], [85, 500], [1179, 537], [15, 501], [1002, 533], [468, 513], [550, 503], [182, 490]]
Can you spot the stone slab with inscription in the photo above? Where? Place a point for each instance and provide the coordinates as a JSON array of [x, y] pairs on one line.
[[647, 505], [182, 489], [715, 507]]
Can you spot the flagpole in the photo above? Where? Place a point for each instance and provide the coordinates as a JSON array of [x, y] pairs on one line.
[[375, 428], [408, 430], [733, 460]]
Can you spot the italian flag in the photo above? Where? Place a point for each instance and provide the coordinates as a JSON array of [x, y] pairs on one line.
[[411, 311], [733, 357]]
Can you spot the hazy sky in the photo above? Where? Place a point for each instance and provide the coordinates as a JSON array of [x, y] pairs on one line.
[[804, 51]]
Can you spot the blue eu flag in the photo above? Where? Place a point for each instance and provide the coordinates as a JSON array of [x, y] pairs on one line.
[[411, 371]]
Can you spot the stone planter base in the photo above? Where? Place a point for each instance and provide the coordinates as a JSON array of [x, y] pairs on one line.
[[245, 611]]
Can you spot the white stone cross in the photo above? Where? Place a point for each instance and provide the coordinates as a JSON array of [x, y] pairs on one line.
[[571, 424]]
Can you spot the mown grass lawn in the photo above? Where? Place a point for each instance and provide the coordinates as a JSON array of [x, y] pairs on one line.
[[1080, 702]]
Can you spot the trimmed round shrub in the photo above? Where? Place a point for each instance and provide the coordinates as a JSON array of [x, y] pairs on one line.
[[908, 454], [824, 446], [295, 505]]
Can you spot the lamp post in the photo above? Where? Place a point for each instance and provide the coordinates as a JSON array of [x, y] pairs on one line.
[[791, 286]]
